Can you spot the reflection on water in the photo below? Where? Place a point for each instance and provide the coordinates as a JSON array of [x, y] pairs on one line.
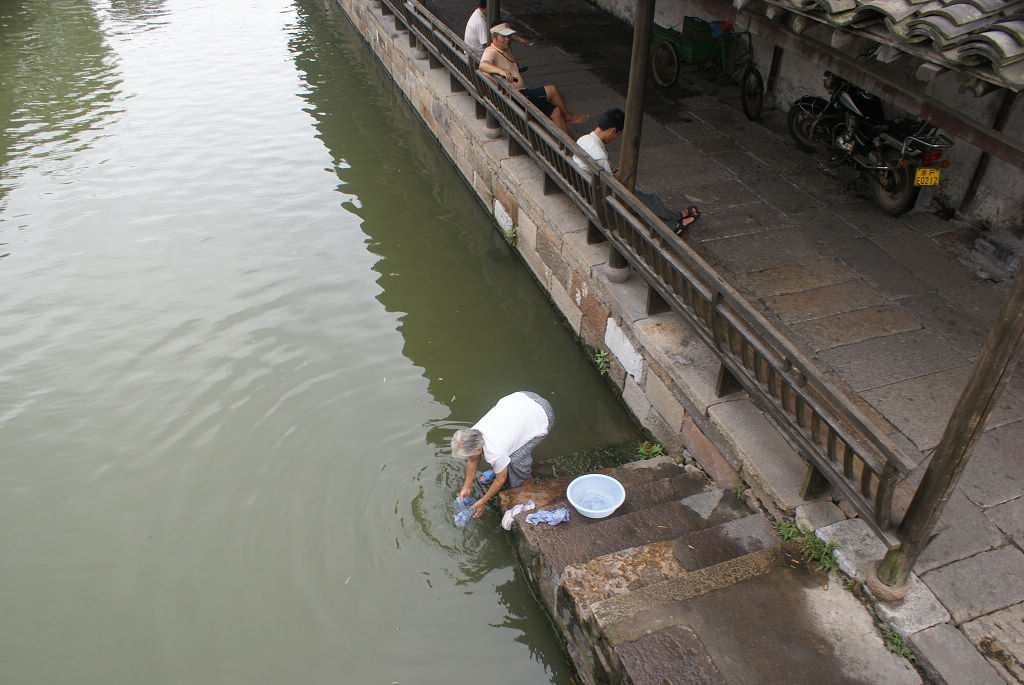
[[247, 300], [459, 290], [59, 88]]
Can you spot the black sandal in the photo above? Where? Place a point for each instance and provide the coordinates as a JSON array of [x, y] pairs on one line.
[[692, 213]]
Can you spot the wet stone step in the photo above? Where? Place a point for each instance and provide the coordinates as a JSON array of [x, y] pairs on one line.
[[586, 585], [760, 618], [725, 541], [646, 483], [672, 655], [546, 551], [629, 616], [630, 569]]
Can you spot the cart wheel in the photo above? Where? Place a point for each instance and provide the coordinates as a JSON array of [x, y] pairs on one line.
[[752, 93], [664, 64]]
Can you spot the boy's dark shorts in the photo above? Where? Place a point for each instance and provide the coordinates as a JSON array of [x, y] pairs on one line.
[[539, 99]]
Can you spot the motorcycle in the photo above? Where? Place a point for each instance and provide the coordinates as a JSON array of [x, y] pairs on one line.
[[899, 156]]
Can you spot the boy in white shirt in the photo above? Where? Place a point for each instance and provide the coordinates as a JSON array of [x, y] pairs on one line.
[[476, 35], [609, 127]]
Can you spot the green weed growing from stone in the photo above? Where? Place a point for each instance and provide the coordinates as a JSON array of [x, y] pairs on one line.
[[786, 531], [822, 553], [603, 361], [648, 450], [894, 643], [510, 236]]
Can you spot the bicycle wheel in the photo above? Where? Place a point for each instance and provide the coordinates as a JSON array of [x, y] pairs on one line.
[[752, 93], [664, 64]]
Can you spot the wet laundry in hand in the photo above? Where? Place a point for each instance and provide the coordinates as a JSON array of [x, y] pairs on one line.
[[462, 511], [553, 517], [509, 517]]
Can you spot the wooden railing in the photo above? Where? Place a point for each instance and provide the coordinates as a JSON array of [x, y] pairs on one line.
[[819, 419]]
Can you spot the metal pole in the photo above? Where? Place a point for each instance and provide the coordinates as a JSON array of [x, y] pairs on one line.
[[988, 379], [642, 21]]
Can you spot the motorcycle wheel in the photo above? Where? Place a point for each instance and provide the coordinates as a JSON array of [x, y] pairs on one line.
[[752, 93], [800, 122], [664, 64], [894, 189]]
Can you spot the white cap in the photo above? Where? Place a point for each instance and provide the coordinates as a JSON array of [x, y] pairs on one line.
[[502, 29]]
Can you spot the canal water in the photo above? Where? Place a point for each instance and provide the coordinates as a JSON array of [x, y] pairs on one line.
[[246, 301]]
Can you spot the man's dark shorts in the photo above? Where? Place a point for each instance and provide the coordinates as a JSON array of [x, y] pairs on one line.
[[539, 99]]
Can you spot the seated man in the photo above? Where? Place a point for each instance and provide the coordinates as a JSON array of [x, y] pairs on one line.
[[505, 437], [609, 127], [498, 60]]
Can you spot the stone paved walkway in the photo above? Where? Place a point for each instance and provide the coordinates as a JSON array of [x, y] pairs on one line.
[[893, 307]]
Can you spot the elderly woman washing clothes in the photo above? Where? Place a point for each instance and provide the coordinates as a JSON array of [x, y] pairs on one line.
[[505, 437]]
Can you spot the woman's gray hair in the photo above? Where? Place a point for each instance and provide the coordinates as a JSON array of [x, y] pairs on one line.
[[466, 442]]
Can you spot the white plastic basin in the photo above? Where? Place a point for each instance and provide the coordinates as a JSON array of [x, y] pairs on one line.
[[595, 495]]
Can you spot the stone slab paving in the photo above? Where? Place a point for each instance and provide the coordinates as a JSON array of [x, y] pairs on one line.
[[824, 226], [857, 546], [1000, 637], [979, 585], [818, 303], [764, 250], [1009, 516], [794, 278], [881, 361], [848, 327], [948, 658], [925, 259], [818, 515], [937, 314], [921, 406], [969, 532], [879, 268], [995, 473]]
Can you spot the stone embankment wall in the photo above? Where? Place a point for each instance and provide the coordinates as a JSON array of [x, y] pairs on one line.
[[665, 374]]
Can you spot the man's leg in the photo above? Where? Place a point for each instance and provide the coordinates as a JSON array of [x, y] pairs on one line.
[[559, 120], [555, 98]]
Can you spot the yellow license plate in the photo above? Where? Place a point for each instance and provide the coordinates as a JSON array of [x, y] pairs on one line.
[[926, 177]]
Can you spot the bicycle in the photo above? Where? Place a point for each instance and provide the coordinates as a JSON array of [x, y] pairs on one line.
[[714, 47]]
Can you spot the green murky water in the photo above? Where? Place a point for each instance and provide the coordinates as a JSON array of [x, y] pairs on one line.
[[247, 300]]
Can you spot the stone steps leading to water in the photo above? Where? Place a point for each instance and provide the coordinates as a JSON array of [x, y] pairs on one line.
[[684, 584]]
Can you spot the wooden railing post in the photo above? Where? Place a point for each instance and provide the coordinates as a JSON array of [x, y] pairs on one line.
[[642, 22], [491, 126], [889, 578]]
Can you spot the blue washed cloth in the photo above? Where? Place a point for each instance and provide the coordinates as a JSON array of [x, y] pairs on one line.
[[462, 512], [553, 517]]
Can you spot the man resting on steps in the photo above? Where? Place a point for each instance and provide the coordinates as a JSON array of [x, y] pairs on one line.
[[497, 60], [609, 127]]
